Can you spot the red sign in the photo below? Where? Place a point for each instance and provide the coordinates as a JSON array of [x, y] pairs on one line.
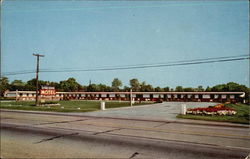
[[47, 92]]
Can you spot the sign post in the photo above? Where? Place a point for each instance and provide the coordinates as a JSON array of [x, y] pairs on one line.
[[102, 105], [183, 109]]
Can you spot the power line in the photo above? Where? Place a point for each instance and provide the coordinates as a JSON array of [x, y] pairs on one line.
[[149, 66], [141, 66], [134, 66], [168, 62]]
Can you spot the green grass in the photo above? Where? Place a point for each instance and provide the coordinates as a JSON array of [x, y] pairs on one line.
[[68, 106], [242, 115]]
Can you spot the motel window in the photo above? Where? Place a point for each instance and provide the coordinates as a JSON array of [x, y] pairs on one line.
[[206, 96], [169, 95], [146, 96], [223, 96], [104, 95], [196, 96], [232, 96], [155, 95], [122, 95], [11, 95]]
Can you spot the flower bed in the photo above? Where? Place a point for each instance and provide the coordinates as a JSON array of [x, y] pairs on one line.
[[218, 109]]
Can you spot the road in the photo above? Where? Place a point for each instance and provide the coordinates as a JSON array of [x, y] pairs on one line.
[[60, 135]]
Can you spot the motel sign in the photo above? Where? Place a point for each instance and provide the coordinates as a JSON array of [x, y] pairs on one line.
[[47, 90]]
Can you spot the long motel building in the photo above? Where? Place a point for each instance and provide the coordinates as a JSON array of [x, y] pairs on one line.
[[136, 96]]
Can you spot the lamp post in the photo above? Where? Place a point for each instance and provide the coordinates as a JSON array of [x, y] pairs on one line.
[[131, 97]]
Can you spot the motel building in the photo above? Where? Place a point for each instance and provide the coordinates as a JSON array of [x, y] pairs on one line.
[[51, 94]]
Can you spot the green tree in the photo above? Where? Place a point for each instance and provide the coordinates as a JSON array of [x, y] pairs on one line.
[[188, 89], [55, 84], [166, 89], [219, 88], [208, 89], [146, 87], [200, 89], [70, 85], [126, 89], [17, 85], [116, 83], [31, 84], [179, 89], [102, 88], [234, 87], [135, 84], [158, 89], [4, 85]]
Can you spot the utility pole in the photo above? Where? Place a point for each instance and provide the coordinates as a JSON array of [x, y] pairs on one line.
[[37, 71]]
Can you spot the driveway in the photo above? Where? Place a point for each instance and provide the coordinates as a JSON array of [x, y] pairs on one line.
[[160, 111]]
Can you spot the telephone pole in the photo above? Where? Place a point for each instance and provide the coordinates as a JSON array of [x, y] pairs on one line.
[[37, 71]]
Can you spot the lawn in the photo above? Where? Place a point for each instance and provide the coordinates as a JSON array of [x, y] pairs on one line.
[[242, 115], [66, 106]]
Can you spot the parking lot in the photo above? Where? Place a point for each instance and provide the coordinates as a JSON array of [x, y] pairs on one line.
[[159, 111]]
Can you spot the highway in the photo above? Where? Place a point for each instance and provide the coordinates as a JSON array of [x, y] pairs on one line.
[[27, 134]]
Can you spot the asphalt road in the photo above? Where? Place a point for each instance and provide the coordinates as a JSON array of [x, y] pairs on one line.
[[60, 135]]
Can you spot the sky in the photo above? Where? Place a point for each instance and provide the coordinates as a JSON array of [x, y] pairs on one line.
[[97, 34]]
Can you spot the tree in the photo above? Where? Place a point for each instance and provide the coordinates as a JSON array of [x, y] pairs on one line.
[[219, 88], [166, 89], [200, 89], [70, 85], [208, 89], [31, 84], [126, 89], [4, 85], [17, 85], [179, 89], [146, 87], [135, 84], [234, 87], [116, 83], [102, 87], [55, 84], [188, 89], [91, 88], [158, 89]]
